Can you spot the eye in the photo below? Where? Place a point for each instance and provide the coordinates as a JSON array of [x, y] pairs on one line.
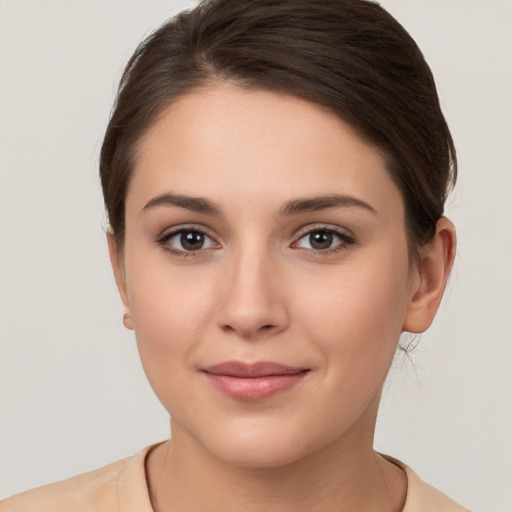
[[324, 240], [187, 241]]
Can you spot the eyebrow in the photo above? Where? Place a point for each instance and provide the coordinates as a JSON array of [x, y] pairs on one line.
[[314, 204], [293, 207], [195, 204]]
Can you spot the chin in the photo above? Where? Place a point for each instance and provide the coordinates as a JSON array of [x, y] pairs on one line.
[[257, 444]]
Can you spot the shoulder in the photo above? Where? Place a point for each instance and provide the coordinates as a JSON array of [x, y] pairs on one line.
[[114, 488], [83, 492], [422, 497]]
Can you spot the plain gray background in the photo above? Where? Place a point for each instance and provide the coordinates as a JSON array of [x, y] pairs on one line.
[[73, 394]]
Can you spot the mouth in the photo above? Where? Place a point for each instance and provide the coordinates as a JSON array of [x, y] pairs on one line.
[[253, 381]]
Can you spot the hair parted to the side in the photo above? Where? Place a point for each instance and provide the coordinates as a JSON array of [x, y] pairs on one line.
[[349, 56]]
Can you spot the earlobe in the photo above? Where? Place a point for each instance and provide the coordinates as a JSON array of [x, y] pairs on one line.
[[436, 261], [119, 275]]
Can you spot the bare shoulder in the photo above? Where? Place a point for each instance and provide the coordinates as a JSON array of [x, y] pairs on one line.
[[92, 491]]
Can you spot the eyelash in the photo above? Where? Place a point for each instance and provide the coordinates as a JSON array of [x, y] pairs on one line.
[[164, 239], [346, 241]]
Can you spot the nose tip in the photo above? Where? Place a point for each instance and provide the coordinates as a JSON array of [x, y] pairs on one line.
[[253, 304], [247, 327]]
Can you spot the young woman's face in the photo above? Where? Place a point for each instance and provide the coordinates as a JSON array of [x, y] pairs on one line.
[[266, 274]]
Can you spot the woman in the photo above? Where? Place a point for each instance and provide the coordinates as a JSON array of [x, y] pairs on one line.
[[275, 177]]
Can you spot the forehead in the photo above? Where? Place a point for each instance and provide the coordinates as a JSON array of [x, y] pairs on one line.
[[228, 143]]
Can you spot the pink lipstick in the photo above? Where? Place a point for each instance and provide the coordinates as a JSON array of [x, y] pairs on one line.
[[254, 381]]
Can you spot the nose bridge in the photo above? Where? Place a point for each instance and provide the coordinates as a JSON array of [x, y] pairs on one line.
[[252, 302]]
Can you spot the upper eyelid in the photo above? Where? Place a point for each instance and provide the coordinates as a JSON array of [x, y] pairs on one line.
[[174, 230], [323, 227], [163, 240], [346, 238]]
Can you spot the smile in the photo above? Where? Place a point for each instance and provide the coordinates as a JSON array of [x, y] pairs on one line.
[[252, 382]]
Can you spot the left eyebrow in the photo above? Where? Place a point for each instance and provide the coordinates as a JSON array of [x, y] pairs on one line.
[[313, 204], [196, 204]]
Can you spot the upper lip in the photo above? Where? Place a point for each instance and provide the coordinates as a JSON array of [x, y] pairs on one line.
[[247, 370]]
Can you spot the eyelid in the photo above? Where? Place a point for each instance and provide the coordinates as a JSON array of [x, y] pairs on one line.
[[344, 232], [346, 238], [184, 227], [173, 231]]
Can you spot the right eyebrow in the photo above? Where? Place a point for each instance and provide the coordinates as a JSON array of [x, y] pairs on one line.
[[314, 204], [195, 204]]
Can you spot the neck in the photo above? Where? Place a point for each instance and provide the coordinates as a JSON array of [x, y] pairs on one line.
[[343, 476]]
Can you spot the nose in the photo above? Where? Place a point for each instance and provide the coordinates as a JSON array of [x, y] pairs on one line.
[[252, 303]]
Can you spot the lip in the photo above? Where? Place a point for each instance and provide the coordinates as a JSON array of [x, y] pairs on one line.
[[253, 381]]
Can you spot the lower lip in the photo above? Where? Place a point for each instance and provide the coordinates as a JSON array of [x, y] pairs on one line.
[[254, 388]]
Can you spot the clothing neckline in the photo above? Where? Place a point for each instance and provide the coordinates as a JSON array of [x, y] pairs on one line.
[[133, 487]]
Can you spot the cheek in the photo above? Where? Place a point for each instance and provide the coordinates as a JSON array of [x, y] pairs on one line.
[[355, 315], [169, 311], [165, 298]]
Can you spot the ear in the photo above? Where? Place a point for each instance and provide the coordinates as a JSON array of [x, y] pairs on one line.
[[432, 272], [116, 259]]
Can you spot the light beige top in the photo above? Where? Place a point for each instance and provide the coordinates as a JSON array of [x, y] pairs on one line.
[[121, 487]]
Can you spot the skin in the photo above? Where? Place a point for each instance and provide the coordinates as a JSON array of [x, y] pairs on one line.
[[258, 291]]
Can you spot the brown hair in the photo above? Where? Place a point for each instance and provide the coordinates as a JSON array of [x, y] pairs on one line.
[[350, 56]]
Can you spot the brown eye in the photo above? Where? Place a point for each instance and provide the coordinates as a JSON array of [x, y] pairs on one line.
[[324, 240], [187, 241], [320, 240], [192, 240]]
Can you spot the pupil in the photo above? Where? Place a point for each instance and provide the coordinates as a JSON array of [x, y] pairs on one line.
[[192, 240], [320, 240]]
